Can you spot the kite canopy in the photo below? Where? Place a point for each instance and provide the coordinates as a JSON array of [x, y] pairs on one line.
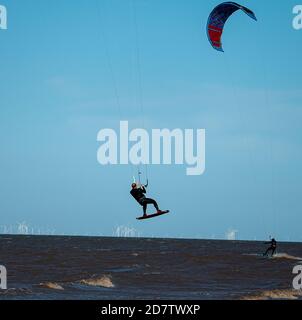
[[218, 18]]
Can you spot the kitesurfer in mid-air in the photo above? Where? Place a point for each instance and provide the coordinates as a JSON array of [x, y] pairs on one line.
[[138, 193], [272, 248]]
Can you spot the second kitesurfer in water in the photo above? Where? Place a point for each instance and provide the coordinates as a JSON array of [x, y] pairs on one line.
[[272, 248]]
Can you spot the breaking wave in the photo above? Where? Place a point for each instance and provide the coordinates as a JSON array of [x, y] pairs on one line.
[[285, 294], [286, 256], [52, 285], [281, 255], [104, 281]]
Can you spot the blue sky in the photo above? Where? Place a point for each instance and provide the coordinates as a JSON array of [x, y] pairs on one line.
[[69, 70]]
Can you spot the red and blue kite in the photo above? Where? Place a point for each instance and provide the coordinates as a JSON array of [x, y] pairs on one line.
[[218, 18]]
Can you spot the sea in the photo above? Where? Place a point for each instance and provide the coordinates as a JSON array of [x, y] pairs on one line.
[[103, 268]]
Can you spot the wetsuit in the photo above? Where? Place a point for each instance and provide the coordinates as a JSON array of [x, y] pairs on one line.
[[139, 195], [273, 247]]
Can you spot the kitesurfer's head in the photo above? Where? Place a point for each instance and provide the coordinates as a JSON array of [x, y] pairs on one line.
[[133, 185]]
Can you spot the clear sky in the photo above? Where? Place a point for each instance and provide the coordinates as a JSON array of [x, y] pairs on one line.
[[70, 68]]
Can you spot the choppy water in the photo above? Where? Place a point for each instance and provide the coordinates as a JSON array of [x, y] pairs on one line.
[[41, 267]]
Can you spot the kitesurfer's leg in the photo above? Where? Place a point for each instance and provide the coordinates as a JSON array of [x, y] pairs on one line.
[[144, 204], [267, 251], [152, 201], [270, 249]]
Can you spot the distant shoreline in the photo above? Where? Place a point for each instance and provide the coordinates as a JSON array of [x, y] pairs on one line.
[[144, 238]]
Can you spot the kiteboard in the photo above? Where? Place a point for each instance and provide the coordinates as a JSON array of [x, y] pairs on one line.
[[153, 215]]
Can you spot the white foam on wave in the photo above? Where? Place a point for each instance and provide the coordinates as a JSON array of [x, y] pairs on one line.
[[135, 254], [104, 281], [286, 256], [52, 285], [280, 294], [281, 255]]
